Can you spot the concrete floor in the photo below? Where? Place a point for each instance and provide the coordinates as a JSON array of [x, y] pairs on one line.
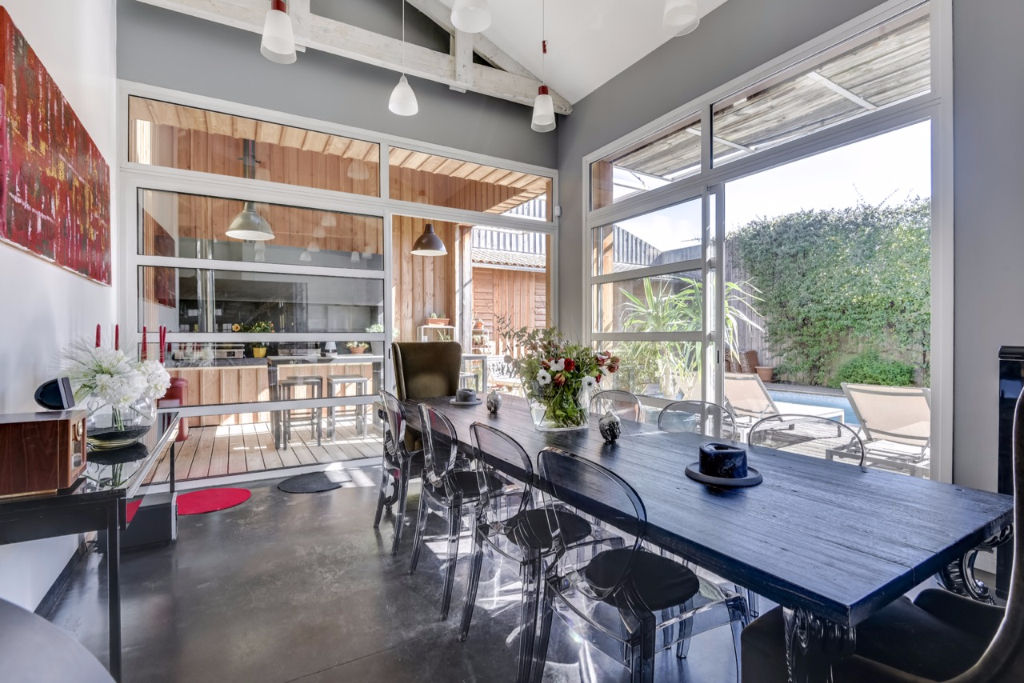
[[299, 587]]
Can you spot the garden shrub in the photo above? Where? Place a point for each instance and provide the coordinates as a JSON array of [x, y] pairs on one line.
[[870, 368], [838, 281]]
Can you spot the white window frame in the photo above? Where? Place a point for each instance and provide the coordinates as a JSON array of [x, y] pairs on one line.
[[935, 106], [133, 176]]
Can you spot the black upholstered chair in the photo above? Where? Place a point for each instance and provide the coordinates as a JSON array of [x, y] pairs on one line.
[[939, 636]]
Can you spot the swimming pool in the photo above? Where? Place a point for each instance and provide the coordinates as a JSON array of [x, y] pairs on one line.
[[824, 400]]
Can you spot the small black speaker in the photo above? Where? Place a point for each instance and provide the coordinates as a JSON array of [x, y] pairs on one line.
[[56, 394]]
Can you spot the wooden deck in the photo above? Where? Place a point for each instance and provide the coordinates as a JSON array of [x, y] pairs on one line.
[[245, 448]]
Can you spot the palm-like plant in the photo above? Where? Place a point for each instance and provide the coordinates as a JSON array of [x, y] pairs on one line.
[[676, 304]]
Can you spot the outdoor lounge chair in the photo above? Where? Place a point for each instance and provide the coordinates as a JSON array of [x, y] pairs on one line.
[[895, 425], [747, 399]]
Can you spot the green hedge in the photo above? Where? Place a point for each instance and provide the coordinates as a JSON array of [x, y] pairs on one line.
[[837, 282], [870, 368]]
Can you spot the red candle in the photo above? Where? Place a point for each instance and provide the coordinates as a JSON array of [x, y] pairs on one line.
[[143, 352], [97, 335], [163, 342], [117, 337]]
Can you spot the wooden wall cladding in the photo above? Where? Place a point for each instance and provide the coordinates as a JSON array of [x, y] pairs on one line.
[[521, 296], [421, 284]]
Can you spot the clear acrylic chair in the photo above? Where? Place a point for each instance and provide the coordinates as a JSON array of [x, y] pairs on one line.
[[624, 598], [698, 417], [447, 490], [396, 466], [509, 526], [810, 435], [623, 403]]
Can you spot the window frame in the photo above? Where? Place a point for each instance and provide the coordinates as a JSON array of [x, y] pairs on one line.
[[134, 176], [935, 106]]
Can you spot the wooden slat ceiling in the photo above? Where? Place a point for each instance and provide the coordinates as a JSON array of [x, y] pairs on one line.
[[191, 118], [886, 70]]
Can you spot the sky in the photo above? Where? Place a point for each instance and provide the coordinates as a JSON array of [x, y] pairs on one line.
[[887, 168]]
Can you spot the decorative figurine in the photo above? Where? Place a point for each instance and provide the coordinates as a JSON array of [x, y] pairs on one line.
[[493, 402], [610, 427]]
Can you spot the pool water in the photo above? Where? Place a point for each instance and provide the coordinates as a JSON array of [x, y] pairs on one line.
[[822, 400]]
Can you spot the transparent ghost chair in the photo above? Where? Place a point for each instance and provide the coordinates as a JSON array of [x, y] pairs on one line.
[[622, 403], [396, 466], [698, 417]]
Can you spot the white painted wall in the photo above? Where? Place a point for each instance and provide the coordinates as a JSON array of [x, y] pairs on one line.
[[43, 306]]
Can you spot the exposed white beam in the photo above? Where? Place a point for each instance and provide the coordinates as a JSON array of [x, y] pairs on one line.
[[352, 42], [437, 12], [462, 55]]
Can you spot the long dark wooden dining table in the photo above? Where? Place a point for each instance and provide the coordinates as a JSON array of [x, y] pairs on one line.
[[826, 540]]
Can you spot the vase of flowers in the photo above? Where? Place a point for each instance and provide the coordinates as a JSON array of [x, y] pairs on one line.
[[557, 376], [357, 347], [118, 392], [259, 349]]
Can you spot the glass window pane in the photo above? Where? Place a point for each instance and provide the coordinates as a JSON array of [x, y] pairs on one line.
[[442, 181], [670, 370], [201, 300], [176, 136], [669, 235], [182, 225], [662, 303], [862, 75], [488, 274], [668, 156]]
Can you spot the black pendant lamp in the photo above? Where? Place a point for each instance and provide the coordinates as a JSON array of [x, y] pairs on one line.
[[429, 244]]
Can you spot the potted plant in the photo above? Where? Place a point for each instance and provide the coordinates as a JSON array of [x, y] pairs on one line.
[[478, 324], [436, 319], [376, 327], [357, 347], [259, 349]]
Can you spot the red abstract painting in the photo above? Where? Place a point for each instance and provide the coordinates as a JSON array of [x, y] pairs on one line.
[[54, 183]]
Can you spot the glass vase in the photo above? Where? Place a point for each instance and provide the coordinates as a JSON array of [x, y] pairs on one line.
[[559, 411], [109, 427]]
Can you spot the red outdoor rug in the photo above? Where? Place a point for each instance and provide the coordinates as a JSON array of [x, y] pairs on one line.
[[211, 500]]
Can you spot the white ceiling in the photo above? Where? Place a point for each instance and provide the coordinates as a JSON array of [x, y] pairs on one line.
[[589, 41]]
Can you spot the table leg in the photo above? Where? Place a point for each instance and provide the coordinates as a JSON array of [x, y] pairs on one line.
[[958, 575], [813, 644], [114, 585]]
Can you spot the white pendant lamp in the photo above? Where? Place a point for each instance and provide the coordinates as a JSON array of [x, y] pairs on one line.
[[543, 119], [682, 16], [471, 16], [250, 225], [403, 99], [278, 44]]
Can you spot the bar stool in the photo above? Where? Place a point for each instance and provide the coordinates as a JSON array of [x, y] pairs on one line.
[[336, 387], [314, 385]]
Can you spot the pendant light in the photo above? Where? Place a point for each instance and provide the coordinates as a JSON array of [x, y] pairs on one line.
[[278, 44], [543, 119], [471, 16], [683, 16], [403, 99], [428, 244], [249, 224]]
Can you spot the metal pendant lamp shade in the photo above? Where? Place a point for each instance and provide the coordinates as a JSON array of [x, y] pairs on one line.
[[278, 44], [429, 244], [250, 225], [471, 16], [683, 16], [543, 119]]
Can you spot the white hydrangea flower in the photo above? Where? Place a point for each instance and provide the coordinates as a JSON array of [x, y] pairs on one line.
[[156, 378], [558, 365], [543, 377], [589, 382]]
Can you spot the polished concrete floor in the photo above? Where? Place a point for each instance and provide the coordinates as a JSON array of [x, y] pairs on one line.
[[299, 587]]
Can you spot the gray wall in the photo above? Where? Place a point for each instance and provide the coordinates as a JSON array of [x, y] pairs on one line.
[[173, 50], [988, 98], [989, 169]]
